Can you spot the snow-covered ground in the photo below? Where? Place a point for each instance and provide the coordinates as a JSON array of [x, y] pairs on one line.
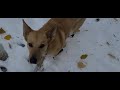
[[99, 40]]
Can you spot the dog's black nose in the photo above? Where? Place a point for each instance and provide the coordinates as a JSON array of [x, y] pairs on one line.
[[33, 60]]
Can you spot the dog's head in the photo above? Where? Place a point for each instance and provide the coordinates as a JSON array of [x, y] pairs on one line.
[[37, 42]]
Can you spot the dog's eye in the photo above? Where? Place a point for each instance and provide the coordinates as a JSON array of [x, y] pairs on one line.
[[41, 46], [30, 44]]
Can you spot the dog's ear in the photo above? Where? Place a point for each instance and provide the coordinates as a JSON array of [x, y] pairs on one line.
[[51, 33], [26, 30]]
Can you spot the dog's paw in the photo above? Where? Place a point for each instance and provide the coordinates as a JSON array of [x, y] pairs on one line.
[[39, 69]]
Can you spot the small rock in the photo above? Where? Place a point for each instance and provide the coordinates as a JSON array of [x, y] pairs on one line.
[[97, 20], [108, 43], [86, 30], [112, 56], [115, 19], [4, 69], [10, 46], [69, 71], [54, 58], [20, 44], [72, 35]]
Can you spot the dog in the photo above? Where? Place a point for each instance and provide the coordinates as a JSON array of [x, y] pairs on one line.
[[51, 38]]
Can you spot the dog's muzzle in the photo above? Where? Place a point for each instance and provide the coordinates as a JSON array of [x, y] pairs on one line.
[[33, 60]]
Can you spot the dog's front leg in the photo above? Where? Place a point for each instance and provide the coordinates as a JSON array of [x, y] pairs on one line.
[[39, 64], [57, 54]]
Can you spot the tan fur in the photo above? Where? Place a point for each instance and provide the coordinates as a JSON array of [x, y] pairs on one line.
[[53, 34]]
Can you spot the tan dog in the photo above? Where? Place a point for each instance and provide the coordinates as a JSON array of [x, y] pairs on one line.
[[51, 38]]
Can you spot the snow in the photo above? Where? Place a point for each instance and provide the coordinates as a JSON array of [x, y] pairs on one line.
[[91, 40]]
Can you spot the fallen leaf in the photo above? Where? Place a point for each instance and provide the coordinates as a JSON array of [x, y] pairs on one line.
[[84, 56], [114, 35], [81, 65], [8, 37], [2, 31]]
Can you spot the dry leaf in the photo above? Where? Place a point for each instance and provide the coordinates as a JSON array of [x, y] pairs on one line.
[[81, 65], [2, 31], [84, 56], [8, 37]]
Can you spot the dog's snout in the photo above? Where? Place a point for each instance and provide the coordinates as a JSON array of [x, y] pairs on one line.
[[33, 60]]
